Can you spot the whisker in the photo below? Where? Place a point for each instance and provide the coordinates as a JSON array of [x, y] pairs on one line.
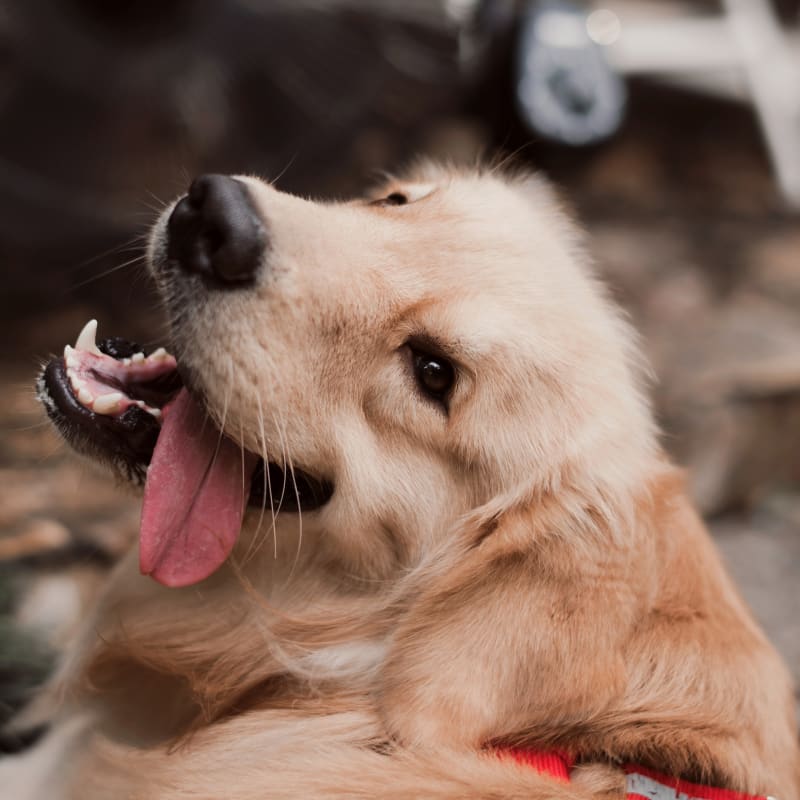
[[252, 547], [256, 543], [241, 448], [33, 427], [284, 170], [268, 480], [287, 467], [279, 429], [108, 272], [502, 161], [223, 420], [161, 204], [152, 211], [135, 242], [299, 521], [185, 177], [282, 442], [59, 446]]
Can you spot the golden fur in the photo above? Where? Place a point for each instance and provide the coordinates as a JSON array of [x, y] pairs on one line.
[[526, 569]]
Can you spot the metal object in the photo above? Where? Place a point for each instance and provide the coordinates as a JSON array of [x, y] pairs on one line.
[[565, 89], [743, 54]]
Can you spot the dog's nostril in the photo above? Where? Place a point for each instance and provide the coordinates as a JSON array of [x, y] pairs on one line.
[[197, 189], [216, 232]]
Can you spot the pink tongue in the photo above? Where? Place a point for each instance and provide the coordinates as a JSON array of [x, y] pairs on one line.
[[194, 498]]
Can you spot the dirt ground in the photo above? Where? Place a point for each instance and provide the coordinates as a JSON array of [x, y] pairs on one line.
[[687, 228]]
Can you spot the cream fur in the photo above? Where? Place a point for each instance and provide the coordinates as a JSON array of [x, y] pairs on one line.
[[524, 569]]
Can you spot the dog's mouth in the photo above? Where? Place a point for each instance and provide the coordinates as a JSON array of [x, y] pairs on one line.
[[118, 403]]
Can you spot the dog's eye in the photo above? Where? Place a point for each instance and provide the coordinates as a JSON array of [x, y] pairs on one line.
[[393, 199], [435, 374], [409, 193]]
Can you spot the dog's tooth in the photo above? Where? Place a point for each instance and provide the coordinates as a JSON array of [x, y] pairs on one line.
[[159, 354], [107, 403], [70, 358], [86, 338], [126, 362], [156, 412], [79, 387], [137, 358]]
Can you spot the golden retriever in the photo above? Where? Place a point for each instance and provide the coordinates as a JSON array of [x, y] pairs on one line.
[[460, 534]]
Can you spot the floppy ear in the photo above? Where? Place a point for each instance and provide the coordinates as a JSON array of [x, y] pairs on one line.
[[521, 633]]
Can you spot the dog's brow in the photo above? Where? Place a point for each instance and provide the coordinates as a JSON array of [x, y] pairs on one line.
[[411, 311]]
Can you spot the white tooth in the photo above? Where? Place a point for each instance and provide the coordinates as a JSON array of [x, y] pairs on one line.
[[85, 396], [86, 338], [70, 358], [107, 403], [126, 362], [156, 412], [137, 358], [160, 353]]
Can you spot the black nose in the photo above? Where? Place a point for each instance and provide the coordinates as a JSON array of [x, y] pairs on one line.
[[216, 232]]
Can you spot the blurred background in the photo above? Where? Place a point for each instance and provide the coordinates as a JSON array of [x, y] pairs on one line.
[[672, 127]]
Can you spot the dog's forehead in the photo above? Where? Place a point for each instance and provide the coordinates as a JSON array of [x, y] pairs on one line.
[[472, 262], [480, 255]]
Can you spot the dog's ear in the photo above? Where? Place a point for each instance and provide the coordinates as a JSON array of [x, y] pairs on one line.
[[517, 628]]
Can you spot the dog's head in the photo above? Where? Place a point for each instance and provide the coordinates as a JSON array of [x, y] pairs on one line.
[[388, 364]]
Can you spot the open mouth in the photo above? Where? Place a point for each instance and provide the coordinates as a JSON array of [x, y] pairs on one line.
[[116, 402]]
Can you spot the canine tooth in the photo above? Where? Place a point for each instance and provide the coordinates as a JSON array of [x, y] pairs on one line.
[[126, 362], [137, 358], [85, 396], [86, 338], [158, 354], [107, 403]]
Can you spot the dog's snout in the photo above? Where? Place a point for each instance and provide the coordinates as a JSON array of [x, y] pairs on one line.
[[216, 232]]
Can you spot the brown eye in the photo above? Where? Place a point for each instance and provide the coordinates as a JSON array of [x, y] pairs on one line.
[[435, 375], [395, 199]]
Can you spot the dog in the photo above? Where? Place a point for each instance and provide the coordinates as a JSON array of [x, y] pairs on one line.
[[407, 528]]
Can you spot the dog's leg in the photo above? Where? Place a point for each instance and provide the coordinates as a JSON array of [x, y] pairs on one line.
[[278, 755]]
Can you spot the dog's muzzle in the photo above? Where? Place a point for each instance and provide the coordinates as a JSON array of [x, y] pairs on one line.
[[216, 233]]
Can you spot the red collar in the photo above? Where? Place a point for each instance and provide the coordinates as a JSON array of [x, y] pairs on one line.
[[641, 783], [556, 764]]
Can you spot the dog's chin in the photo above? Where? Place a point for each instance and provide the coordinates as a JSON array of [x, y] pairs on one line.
[[107, 400]]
